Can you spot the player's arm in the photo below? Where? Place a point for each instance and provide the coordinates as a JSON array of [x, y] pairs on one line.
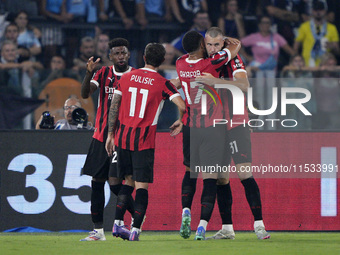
[[88, 87], [234, 47], [229, 52], [176, 82], [240, 80], [113, 116], [176, 127]]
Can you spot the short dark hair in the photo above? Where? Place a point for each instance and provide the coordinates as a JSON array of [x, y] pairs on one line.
[[117, 42], [12, 24], [154, 54], [191, 41], [259, 18], [200, 12], [214, 32]]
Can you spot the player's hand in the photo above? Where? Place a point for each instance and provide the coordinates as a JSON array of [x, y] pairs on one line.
[[128, 23], [110, 145], [206, 78], [230, 40], [176, 128], [176, 82], [90, 66]]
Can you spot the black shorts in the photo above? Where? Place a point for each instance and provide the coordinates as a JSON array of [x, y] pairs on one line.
[[98, 164], [186, 146], [208, 149], [239, 144], [139, 164]]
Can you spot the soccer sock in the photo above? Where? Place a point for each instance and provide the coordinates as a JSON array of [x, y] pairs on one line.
[[225, 200], [131, 205], [208, 198], [188, 190], [97, 203], [100, 230], [122, 201], [116, 188], [141, 204], [228, 227], [253, 197], [258, 223], [203, 223]]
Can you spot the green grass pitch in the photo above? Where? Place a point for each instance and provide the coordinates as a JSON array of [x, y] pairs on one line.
[[171, 243]]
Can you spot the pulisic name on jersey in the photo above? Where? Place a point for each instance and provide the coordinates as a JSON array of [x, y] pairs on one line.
[[141, 79]]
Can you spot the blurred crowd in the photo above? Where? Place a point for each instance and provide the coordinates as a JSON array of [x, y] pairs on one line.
[[50, 39]]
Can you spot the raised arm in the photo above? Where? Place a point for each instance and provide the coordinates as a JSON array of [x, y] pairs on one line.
[[87, 88], [234, 48]]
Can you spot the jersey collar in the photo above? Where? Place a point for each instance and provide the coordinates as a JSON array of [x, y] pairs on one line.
[[194, 61], [148, 69], [120, 74]]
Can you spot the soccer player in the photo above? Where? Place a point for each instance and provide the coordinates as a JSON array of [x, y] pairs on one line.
[[98, 163], [134, 113], [188, 67], [238, 141]]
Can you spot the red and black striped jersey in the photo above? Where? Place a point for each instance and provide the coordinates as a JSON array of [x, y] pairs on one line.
[[187, 71], [106, 79], [228, 72], [143, 93]]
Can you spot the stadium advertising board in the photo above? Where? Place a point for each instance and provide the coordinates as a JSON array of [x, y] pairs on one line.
[[42, 185]]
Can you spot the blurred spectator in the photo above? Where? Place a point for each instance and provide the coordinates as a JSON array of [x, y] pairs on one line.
[[331, 7], [317, 36], [185, 11], [102, 49], [27, 37], [250, 7], [214, 11], [52, 36], [201, 25], [297, 63], [68, 123], [265, 46], [11, 34], [168, 67], [82, 10], [337, 14], [170, 57], [327, 91], [328, 62], [57, 69], [286, 16], [126, 11], [103, 8], [150, 9], [12, 69], [86, 50], [28, 6], [231, 21], [297, 75]]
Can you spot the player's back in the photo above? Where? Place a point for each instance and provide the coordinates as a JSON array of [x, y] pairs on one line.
[[187, 71], [143, 93]]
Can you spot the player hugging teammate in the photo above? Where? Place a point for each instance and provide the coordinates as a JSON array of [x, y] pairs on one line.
[[237, 137]]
